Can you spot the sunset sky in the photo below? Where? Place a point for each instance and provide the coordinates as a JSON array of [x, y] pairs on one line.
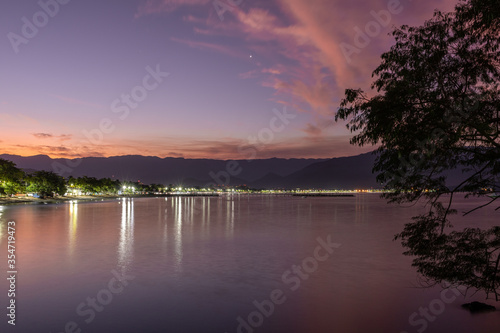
[[189, 78]]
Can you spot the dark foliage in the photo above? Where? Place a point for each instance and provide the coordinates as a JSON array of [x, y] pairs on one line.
[[437, 108]]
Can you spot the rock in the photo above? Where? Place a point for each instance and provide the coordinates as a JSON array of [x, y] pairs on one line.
[[478, 307]]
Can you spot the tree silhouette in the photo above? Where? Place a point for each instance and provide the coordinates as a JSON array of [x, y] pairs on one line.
[[435, 109], [11, 178], [46, 184]]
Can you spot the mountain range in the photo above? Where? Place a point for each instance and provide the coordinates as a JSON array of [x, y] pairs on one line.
[[336, 173]]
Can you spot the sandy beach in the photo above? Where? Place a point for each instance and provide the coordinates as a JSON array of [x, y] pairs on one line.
[[32, 200], [59, 199]]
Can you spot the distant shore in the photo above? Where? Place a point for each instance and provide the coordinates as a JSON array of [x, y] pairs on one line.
[[62, 199]]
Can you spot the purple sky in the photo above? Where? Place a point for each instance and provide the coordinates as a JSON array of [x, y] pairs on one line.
[[90, 77]]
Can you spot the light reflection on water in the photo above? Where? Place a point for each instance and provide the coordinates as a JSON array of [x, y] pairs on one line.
[[73, 225], [126, 245], [200, 263], [178, 232]]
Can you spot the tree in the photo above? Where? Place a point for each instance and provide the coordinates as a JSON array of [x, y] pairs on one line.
[[154, 188], [11, 178], [46, 184], [88, 185], [436, 109], [91, 185], [109, 186]]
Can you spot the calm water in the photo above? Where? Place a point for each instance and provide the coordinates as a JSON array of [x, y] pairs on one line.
[[228, 264]]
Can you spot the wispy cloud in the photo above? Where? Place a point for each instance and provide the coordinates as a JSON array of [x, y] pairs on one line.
[[210, 46], [43, 135], [274, 71], [333, 146], [175, 154], [65, 137], [62, 137], [312, 129], [53, 151], [298, 47], [165, 6], [310, 146], [300, 41], [249, 75]]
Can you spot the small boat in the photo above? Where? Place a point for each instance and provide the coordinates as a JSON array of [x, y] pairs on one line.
[[494, 195]]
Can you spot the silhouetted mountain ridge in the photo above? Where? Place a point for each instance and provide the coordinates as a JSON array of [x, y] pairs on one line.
[[337, 173], [169, 170]]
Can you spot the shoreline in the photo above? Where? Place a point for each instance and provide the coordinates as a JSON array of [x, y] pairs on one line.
[[63, 199], [84, 198]]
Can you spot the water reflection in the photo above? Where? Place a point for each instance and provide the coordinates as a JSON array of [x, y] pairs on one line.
[[126, 245], [184, 217], [73, 225], [220, 280], [230, 218], [205, 215], [208, 212], [359, 209], [191, 204], [178, 213]]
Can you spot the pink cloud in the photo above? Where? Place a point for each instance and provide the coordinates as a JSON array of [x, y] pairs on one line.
[[43, 135], [313, 146], [298, 44], [229, 148], [274, 71], [327, 27], [311, 37], [312, 130], [248, 75], [65, 137]]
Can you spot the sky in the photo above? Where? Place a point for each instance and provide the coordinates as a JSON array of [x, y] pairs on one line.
[[225, 79]]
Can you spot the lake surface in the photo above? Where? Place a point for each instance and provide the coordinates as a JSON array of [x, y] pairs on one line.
[[228, 264]]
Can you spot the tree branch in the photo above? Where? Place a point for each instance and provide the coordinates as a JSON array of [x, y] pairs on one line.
[[486, 204]]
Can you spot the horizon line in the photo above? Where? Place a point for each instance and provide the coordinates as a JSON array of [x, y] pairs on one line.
[[185, 158]]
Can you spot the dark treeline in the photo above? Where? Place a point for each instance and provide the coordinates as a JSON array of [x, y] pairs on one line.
[[49, 184]]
